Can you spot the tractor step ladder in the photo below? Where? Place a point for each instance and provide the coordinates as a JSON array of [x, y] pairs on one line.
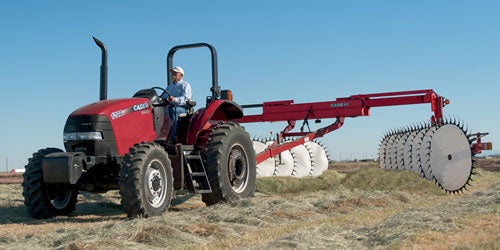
[[197, 178]]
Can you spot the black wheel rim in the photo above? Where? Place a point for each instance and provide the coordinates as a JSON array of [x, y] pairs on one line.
[[59, 199]]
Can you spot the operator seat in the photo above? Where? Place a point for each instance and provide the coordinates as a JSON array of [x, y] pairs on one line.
[[190, 109]]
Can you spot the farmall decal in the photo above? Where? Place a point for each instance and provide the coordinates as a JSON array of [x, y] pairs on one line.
[[136, 107], [117, 114]]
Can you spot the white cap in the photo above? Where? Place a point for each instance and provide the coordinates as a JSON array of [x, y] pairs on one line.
[[177, 69]]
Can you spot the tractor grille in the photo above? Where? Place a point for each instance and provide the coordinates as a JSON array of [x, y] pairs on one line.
[[88, 123]]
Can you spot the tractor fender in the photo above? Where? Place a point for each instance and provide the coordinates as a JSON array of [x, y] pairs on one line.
[[215, 112]]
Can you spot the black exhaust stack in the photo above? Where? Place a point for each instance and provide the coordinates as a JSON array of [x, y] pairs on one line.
[[104, 70]]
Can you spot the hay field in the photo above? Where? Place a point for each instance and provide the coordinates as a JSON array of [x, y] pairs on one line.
[[364, 209]]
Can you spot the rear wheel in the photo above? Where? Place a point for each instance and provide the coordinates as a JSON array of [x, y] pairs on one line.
[[44, 200], [230, 164], [146, 180]]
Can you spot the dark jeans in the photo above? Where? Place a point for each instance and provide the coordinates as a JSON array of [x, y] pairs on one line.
[[173, 113]]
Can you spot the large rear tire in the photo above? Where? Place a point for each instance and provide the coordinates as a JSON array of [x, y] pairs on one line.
[[44, 200], [230, 164], [146, 180]]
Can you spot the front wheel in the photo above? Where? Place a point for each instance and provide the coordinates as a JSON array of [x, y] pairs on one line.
[[146, 180], [230, 164], [45, 200]]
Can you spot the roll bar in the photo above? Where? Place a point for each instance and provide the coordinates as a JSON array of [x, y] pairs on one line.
[[215, 89]]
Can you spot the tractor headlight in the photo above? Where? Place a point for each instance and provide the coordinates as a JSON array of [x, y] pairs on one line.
[[77, 136]]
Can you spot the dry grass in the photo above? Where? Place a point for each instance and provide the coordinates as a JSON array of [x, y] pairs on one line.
[[483, 232], [365, 209], [330, 180], [372, 179]]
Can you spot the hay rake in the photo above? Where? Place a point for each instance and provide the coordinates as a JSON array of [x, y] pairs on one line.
[[440, 149]]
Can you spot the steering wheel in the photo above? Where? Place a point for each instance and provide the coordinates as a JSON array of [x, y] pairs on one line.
[[163, 91]]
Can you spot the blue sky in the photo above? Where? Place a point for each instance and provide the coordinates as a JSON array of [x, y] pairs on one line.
[[268, 50]]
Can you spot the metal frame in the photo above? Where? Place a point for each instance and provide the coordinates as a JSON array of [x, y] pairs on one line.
[[215, 82], [340, 108]]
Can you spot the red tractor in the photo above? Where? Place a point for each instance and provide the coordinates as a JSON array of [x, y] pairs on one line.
[[122, 144]]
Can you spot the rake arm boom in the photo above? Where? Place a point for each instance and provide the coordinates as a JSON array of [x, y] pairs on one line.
[[352, 106], [340, 108]]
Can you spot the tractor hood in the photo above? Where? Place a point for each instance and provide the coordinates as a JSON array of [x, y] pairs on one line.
[[115, 108], [124, 121]]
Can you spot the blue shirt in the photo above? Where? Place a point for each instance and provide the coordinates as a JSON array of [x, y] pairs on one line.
[[181, 90]]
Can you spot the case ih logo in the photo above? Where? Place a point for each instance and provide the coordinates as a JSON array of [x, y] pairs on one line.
[[141, 106], [339, 105], [136, 107]]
